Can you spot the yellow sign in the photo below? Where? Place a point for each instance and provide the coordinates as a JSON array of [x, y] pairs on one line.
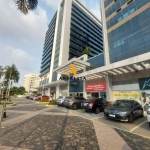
[[127, 95], [73, 70]]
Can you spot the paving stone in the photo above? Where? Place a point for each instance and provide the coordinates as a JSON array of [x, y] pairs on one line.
[[50, 132]]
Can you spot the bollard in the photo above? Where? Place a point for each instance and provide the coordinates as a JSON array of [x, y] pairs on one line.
[[4, 114]]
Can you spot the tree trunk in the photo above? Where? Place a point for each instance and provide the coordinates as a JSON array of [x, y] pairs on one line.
[[7, 92]]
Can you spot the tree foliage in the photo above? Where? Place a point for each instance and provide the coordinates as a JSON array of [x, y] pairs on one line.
[[87, 50], [25, 5]]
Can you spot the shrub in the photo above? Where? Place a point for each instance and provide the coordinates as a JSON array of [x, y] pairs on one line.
[[53, 102], [44, 100]]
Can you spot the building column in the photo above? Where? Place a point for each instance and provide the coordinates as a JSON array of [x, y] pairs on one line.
[[68, 89], [84, 90], [109, 90], [48, 91], [57, 91]]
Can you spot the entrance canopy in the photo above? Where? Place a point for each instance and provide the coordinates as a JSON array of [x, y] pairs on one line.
[[133, 64], [78, 64], [52, 84]]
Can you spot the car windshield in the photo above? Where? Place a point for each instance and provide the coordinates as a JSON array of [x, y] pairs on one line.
[[122, 103], [60, 97], [91, 100]]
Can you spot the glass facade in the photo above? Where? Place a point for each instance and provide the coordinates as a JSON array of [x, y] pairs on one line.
[[132, 38], [58, 42], [48, 45], [85, 31], [97, 61], [76, 86]]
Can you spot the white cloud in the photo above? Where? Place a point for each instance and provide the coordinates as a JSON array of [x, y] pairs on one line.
[[23, 61], [53, 3], [15, 25]]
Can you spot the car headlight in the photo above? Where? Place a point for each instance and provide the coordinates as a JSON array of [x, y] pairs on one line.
[[148, 112], [123, 113], [105, 110]]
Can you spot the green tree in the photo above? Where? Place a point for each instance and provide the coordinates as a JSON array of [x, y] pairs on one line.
[[25, 5], [11, 75], [87, 50]]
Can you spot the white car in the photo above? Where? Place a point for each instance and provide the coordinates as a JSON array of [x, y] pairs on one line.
[[60, 100], [148, 115]]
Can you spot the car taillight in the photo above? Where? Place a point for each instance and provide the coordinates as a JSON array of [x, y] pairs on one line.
[[91, 104]]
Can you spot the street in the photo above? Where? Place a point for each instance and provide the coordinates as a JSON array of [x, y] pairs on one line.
[[35, 126]]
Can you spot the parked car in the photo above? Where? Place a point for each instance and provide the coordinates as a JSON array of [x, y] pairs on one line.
[[95, 104], [60, 100], [43, 97], [148, 115], [31, 97], [36, 97], [73, 102], [124, 110], [27, 97]]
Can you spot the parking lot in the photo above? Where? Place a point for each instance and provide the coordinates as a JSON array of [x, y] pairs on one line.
[[139, 127]]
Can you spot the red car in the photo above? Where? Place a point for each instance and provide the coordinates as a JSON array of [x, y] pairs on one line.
[[44, 97]]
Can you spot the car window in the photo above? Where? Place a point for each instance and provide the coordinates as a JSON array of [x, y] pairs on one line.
[[135, 103], [60, 97], [122, 103], [68, 97]]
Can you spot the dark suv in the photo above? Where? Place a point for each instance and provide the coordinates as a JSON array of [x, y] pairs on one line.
[[73, 102], [95, 104]]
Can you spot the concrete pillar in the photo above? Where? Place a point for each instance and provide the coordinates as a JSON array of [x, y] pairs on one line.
[[109, 90], [57, 91], [84, 90], [68, 89]]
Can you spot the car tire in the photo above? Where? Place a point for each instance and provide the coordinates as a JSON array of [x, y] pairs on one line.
[[74, 106], [97, 110], [131, 118]]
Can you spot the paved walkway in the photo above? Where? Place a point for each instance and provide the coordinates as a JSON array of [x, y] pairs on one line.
[[38, 127]]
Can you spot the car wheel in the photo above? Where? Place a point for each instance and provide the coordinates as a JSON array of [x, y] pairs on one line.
[[74, 106], [142, 114], [97, 110], [131, 118]]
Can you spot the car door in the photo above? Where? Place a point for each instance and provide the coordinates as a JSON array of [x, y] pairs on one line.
[[136, 109], [104, 103]]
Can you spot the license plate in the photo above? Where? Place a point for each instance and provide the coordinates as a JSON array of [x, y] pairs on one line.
[[85, 104], [111, 115]]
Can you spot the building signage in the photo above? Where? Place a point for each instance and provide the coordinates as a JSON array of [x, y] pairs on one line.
[[96, 87], [127, 95]]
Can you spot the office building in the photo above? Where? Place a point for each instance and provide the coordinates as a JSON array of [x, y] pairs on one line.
[[126, 35], [31, 81], [72, 28]]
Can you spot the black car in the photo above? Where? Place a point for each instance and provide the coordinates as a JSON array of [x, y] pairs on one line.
[[124, 110], [73, 102], [95, 104]]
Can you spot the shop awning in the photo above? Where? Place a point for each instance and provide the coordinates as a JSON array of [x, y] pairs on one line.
[[78, 64], [133, 64]]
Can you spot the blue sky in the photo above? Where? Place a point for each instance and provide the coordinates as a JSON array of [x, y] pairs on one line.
[[22, 36]]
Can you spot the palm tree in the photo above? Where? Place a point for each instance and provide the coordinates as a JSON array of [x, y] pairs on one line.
[[87, 50], [11, 75], [25, 5]]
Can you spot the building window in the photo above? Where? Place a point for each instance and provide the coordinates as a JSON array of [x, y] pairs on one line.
[[132, 10], [119, 19]]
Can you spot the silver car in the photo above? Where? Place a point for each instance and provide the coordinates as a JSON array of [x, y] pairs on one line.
[[60, 100]]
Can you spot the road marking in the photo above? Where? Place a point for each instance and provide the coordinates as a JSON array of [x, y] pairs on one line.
[[138, 126]]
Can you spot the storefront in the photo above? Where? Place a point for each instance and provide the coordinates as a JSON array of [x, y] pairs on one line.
[[96, 90]]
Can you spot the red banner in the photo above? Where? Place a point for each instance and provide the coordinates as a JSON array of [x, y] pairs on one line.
[[96, 87]]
